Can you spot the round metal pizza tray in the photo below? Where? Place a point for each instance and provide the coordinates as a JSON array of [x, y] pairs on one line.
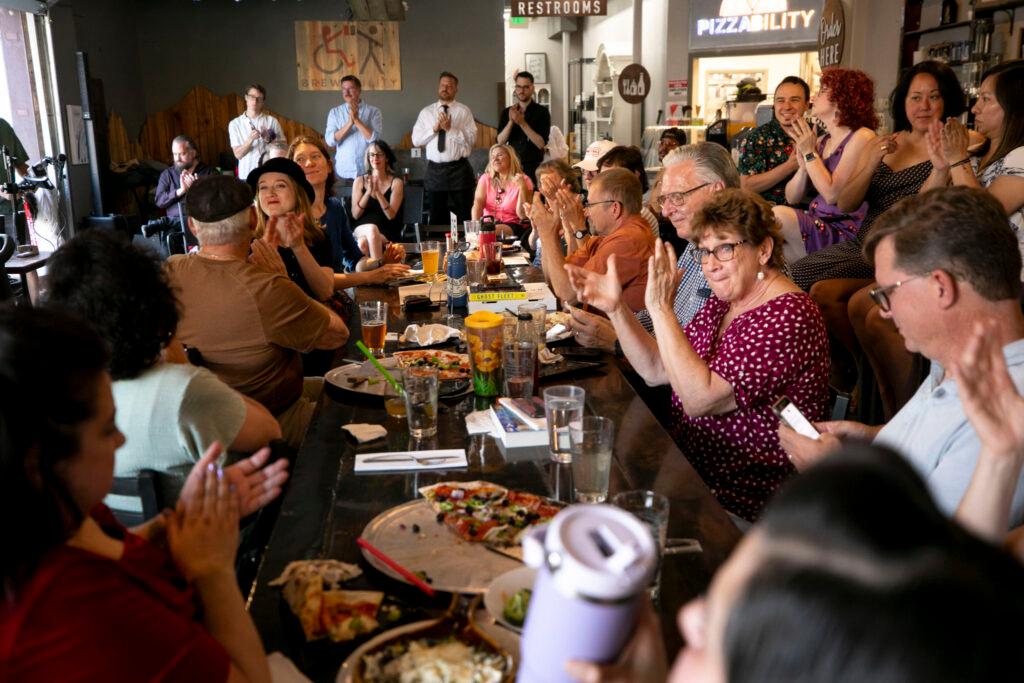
[[450, 563], [338, 378]]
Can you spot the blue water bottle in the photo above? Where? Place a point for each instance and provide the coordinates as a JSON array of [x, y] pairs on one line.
[[457, 297]]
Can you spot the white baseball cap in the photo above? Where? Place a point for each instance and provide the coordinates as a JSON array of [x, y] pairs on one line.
[[596, 150]]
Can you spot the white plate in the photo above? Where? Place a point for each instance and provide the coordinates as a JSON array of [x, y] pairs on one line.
[[453, 565], [349, 665], [339, 377], [503, 588]]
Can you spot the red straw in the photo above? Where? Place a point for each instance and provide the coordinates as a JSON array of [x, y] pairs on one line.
[[406, 574]]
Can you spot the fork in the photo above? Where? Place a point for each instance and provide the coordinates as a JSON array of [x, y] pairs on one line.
[[428, 460]]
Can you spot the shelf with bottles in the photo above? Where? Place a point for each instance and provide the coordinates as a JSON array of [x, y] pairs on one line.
[[978, 18]]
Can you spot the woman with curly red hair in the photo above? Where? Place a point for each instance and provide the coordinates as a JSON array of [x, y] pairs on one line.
[[845, 107]]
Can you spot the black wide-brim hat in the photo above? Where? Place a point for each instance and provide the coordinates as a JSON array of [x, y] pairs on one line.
[[281, 165]]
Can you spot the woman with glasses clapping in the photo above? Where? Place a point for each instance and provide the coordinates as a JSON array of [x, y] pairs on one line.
[[756, 339]]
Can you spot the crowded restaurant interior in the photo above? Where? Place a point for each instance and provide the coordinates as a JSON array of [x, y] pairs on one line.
[[481, 341]]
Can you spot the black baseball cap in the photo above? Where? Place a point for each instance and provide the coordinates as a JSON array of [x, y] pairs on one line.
[[216, 197], [281, 165]]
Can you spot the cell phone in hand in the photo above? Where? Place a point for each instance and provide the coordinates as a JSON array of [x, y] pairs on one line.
[[790, 415]]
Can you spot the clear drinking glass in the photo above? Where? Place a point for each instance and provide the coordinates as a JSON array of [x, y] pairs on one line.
[[538, 311], [592, 439], [652, 509], [475, 271], [518, 359], [563, 405], [373, 318], [421, 401]]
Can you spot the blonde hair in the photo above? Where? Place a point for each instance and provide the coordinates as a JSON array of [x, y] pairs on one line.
[[514, 166], [312, 231]]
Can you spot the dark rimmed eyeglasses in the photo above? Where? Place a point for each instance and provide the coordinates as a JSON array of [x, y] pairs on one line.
[[723, 252], [588, 204], [679, 198], [881, 295]]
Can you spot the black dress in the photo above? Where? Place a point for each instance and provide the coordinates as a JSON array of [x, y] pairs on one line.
[[374, 213], [846, 260]]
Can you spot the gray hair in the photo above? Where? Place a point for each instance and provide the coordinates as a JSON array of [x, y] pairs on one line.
[[711, 162], [234, 229]]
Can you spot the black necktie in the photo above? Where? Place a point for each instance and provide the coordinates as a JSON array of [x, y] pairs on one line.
[[442, 133]]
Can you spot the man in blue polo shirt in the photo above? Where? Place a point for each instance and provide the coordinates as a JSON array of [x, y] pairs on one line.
[[944, 260]]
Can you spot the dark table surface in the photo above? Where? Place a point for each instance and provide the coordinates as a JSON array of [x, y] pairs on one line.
[[326, 506]]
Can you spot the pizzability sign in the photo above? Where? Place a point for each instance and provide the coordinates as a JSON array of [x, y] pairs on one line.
[[327, 51]]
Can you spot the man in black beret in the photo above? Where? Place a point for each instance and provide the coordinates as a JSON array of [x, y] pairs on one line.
[[248, 322]]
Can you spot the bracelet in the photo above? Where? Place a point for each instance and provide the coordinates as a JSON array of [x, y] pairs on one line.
[[965, 160]]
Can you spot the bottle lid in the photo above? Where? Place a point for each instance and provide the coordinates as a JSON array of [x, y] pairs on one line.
[[599, 553]]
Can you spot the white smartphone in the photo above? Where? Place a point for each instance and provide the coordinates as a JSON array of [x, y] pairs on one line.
[[788, 413]]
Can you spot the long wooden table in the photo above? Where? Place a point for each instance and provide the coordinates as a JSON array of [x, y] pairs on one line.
[[326, 506]]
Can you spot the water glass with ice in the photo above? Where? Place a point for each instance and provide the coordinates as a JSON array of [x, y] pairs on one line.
[[421, 401], [563, 405]]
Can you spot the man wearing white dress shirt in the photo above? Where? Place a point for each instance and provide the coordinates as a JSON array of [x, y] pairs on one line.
[[252, 131], [447, 130], [351, 127]]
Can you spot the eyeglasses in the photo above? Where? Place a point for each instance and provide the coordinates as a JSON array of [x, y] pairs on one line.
[[723, 252], [588, 205], [254, 97], [375, 155], [679, 198], [880, 295]]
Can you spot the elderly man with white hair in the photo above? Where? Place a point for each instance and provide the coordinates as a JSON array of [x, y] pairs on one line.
[[693, 173]]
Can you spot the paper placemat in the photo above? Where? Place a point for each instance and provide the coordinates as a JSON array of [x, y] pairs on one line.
[[454, 459], [515, 260]]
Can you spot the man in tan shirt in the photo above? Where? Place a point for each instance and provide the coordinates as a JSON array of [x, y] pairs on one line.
[[613, 212], [248, 323]]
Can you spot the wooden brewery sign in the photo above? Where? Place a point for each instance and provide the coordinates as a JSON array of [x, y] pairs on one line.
[[326, 51]]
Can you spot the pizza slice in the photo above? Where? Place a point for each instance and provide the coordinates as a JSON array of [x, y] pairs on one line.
[[303, 584], [347, 615], [470, 496]]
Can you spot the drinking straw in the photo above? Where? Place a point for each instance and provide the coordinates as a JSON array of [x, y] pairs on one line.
[[406, 574], [380, 368]]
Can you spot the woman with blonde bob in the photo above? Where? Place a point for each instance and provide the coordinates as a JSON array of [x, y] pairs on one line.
[[503, 190], [757, 338]]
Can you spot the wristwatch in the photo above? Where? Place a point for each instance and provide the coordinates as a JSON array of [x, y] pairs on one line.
[[810, 156], [579, 234]]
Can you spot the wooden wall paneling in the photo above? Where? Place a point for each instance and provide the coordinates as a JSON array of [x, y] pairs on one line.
[[395, 10]]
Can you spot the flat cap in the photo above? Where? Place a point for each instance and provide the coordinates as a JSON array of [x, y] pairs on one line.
[[216, 197]]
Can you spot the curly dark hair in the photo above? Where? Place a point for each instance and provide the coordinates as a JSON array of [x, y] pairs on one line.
[[50, 366], [123, 291], [744, 213], [953, 101], [853, 93]]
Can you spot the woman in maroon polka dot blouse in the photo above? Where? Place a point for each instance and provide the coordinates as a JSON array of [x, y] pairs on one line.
[[757, 338]]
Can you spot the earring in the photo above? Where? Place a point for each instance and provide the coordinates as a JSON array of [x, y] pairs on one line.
[[760, 275]]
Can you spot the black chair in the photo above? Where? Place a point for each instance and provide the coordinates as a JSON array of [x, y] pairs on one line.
[[256, 529], [412, 210], [145, 487], [7, 246]]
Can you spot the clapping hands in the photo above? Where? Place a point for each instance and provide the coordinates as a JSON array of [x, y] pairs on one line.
[[662, 278], [602, 290], [804, 137], [255, 482]]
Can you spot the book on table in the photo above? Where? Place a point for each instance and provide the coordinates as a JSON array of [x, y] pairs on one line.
[[514, 432]]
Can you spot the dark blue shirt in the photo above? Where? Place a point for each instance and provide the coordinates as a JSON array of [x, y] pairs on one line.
[[339, 232]]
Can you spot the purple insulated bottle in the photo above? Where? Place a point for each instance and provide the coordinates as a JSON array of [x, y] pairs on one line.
[[593, 563]]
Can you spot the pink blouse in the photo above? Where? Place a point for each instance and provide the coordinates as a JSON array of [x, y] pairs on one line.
[[502, 203], [777, 349]]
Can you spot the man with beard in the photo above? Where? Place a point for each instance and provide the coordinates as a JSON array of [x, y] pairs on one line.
[[525, 126], [766, 154], [176, 180], [447, 131]]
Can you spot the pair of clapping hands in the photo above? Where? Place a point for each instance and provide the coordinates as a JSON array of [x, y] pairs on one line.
[[202, 531], [555, 208], [604, 290], [281, 231]]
